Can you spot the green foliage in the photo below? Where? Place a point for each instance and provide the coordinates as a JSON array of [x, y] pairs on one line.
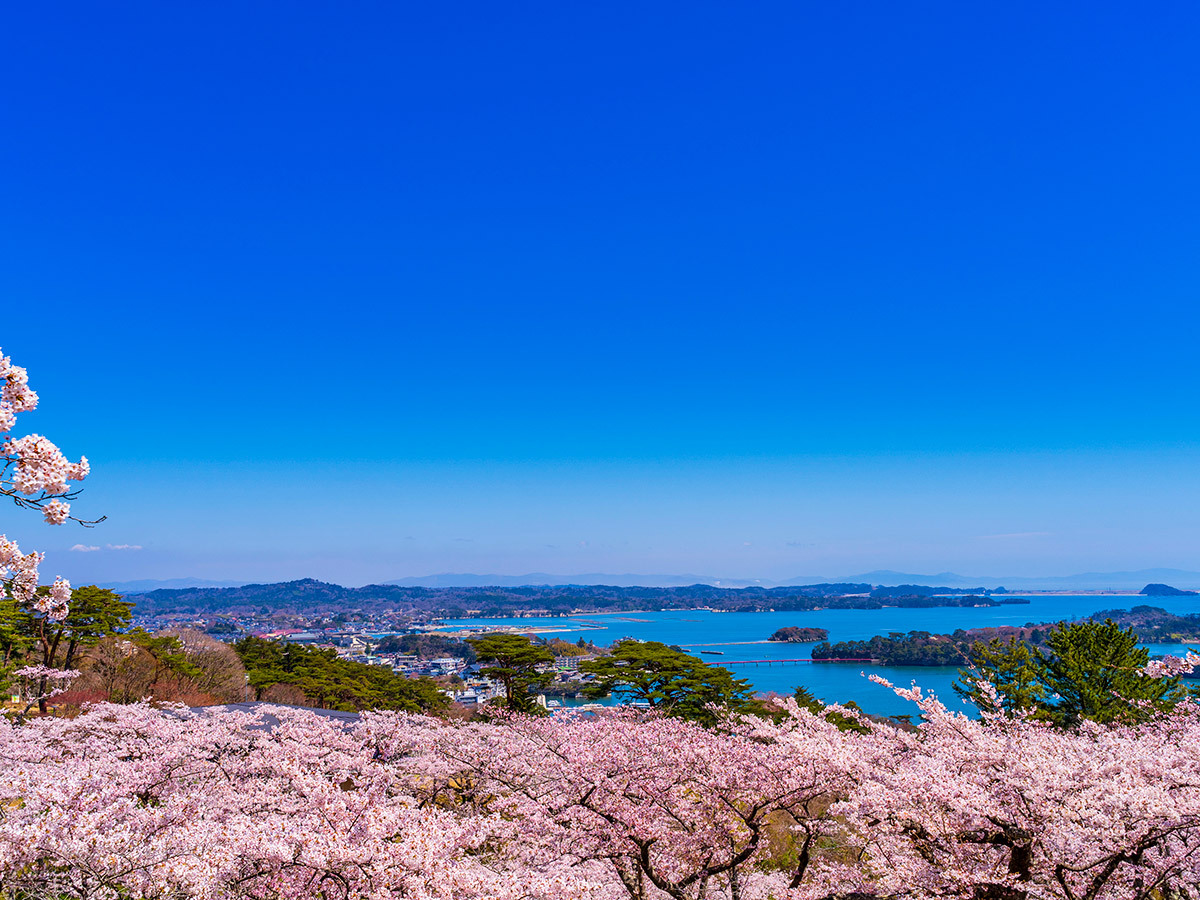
[[516, 662], [330, 682], [1013, 668], [794, 634], [95, 613], [917, 648], [806, 699], [1085, 670], [168, 653], [17, 637], [28, 638], [1095, 668], [673, 682], [561, 648]]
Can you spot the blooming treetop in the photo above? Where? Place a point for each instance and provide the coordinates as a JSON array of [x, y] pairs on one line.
[[1166, 666], [35, 475], [137, 802]]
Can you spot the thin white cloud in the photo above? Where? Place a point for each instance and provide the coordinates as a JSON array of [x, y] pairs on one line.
[[1016, 535], [124, 546], [84, 548]]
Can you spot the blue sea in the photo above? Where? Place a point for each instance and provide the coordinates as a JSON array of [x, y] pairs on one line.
[[740, 640]]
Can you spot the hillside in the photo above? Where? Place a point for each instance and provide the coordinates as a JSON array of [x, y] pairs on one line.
[[1155, 625]]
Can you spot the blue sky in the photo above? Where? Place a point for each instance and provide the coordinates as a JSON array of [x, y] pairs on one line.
[[382, 290]]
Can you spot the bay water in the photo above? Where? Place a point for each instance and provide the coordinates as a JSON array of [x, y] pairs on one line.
[[738, 640]]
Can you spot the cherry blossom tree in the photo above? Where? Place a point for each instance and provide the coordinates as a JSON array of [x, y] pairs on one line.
[[1011, 807], [35, 475], [41, 683], [136, 801], [133, 801], [669, 808]]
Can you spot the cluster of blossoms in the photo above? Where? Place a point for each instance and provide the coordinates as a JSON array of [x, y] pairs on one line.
[[44, 683], [15, 393], [35, 474], [140, 802], [41, 466], [1167, 666], [19, 570]]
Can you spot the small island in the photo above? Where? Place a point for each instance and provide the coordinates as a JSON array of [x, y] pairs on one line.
[[917, 648], [1151, 624], [1165, 590], [796, 635]]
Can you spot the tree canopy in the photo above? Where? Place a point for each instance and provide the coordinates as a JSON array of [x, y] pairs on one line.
[[329, 682], [1084, 670], [668, 680], [58, 643], [517, 663]]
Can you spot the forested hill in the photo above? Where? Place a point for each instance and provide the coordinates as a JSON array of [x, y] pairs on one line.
[[1154, 624], [309, 595]]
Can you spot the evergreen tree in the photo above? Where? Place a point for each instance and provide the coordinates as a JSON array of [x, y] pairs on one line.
[[1012, 667], [95, 612], [55, 643], [1084, 670], [516, 662], [326, 681], [669, 680]]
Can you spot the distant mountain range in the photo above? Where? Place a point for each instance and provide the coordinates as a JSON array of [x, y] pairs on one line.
[[150, 584], [467, 579], [1086, 581]]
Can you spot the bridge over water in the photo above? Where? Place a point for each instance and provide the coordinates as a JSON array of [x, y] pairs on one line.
[[770, 662]]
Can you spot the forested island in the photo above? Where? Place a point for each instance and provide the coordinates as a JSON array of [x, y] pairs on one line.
[[1165, 590], [796, 635], [311, 596], [1151, 625], [916, 648], [1155, 625]]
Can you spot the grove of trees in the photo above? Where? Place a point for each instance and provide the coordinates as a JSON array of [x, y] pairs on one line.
[[313, 676], [143, 802], [916, 648]]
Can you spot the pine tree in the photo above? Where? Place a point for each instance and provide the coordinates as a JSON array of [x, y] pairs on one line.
[[669, 680], [1084, 670], [516, 662]]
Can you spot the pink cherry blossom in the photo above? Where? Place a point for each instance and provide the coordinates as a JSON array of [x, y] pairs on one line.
[[137, 801], [35, 474], [1168, 666]]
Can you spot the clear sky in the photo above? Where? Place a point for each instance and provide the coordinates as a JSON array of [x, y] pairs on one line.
[[362, 291]]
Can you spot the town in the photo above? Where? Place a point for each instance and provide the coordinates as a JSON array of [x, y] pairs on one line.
[[413, 646]]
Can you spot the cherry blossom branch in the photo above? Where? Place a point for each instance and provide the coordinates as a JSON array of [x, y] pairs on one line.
[[34, 475]]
